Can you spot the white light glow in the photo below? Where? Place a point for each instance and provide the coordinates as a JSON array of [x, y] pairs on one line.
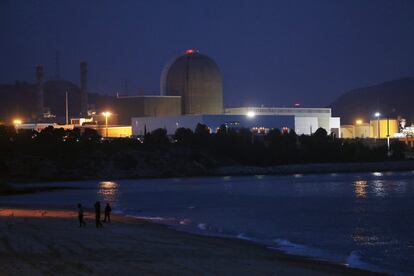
[[251, 114]]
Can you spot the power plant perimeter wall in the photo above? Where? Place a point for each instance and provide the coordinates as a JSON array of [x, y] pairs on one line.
[[147, 106]]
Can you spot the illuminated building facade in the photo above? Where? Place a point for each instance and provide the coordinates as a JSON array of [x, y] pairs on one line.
[[380, 129]]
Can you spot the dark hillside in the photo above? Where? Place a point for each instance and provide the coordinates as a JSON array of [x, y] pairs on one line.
[[391, 98]]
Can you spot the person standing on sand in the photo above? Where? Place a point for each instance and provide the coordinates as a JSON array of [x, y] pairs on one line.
[[98, 214], [108, 210], [80, 216]]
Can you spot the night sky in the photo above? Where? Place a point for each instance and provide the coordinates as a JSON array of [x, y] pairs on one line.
[[270, 53]]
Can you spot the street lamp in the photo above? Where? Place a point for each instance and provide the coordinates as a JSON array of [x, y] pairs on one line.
[[377, 114], [106, 114], [359, 122], [17, 123]]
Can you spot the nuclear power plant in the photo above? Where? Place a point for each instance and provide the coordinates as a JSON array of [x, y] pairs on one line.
[[191, 92], [196, 80]]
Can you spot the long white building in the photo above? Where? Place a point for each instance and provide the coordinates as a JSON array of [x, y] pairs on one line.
[[306, 120], [301, 120]]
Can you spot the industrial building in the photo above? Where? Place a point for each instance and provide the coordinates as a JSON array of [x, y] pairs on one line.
[[306, 120], [171, 123], [196, 79], [146, 106], [379, 128], [191, 92], [301, 120]]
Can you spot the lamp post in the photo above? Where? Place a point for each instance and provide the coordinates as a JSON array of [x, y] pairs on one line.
[[377, 114], [388, 134], [106, 114]]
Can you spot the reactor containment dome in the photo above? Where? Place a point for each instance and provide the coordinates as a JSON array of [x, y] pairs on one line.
[[197, 79]]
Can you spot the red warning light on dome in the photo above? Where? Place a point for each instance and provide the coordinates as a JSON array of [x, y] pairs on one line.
[[191, 51]]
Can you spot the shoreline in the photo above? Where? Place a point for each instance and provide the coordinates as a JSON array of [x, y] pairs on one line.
[[135, 240], [242, 170], [318, 168]]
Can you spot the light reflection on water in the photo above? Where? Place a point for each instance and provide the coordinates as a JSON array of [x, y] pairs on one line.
[[361, 237], [378, 174], [379, 188], [360, 188], [108, 191]]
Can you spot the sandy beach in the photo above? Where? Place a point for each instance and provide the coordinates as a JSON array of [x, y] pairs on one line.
[[49, 242]]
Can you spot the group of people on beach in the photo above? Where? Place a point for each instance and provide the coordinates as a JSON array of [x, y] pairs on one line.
[[107, 212]]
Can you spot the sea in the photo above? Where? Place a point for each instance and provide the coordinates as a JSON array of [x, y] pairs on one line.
[[362, 220]]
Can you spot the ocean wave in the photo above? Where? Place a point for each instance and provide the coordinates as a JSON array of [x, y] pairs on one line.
[[290, 247], [244, 236], [355, 260], [202, 226], [155, 219]]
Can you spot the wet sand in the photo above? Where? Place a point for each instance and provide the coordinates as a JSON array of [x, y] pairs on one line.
[[49, 242]]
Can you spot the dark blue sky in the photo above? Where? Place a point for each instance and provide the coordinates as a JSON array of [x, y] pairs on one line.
[[270, 52]]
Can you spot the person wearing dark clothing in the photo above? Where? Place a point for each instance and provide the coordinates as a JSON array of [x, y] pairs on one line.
[[108, 210], [80, 216], [98, 214]]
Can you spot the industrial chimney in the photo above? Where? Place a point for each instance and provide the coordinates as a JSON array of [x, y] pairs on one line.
[[84, 88], [39, 92]]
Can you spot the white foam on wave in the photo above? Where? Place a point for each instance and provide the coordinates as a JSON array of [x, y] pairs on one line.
[[156, 219], [290, 247], [202, 226], [355, 260], [244, 236]]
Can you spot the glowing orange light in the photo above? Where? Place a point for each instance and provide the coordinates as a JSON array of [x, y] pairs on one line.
[[359, 122], [17, 122], [106, 113]]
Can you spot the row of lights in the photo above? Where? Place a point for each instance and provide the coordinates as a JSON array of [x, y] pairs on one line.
[[106, 114], [360, 122], [16, 121]]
